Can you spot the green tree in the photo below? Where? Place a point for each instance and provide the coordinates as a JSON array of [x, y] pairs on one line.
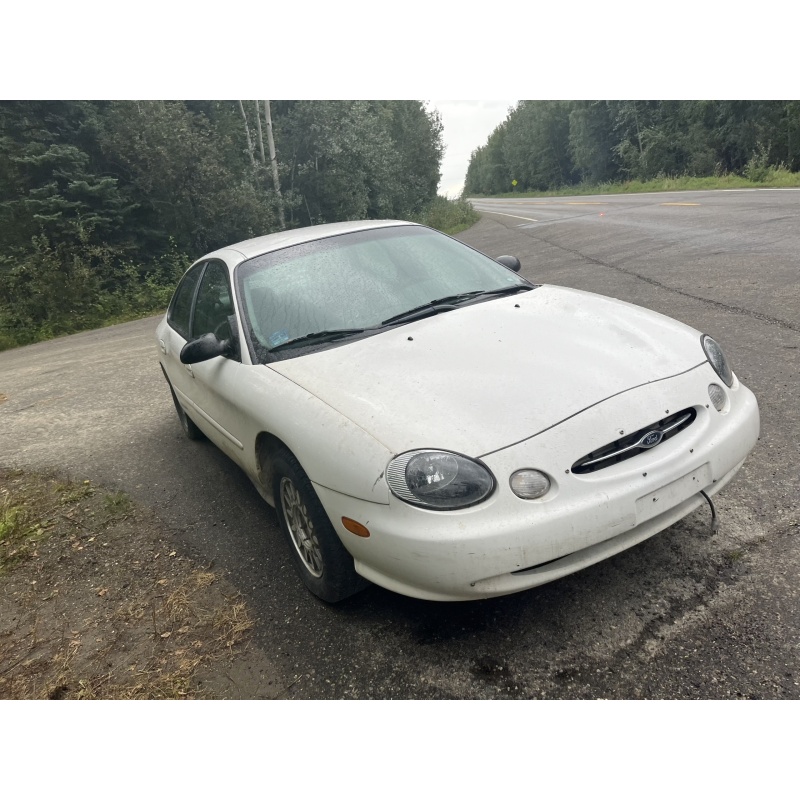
[[358, 159], [48, 184], [536, 145], [103, 204], [416, 137], [179, 165], [488, 172], [592, 141]]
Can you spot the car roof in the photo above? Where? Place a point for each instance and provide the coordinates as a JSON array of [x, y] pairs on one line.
[[275, 241]]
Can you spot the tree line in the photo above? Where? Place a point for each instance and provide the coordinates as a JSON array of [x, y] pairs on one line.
[[103, 204], [545, 144]]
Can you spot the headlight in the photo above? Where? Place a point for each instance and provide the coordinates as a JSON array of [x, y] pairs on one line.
[[717, 359], [438, 479]]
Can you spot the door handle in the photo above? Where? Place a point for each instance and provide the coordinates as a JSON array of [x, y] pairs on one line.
[[189, 369], [162, 345]]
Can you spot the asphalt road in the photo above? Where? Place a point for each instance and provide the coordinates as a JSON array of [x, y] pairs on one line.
[[686, 614]]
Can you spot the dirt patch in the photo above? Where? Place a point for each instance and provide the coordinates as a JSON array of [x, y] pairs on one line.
[[95, 602]]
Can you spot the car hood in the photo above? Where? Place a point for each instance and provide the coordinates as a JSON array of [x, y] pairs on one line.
[[485, 376]]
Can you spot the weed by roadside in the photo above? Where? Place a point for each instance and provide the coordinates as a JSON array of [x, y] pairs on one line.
[[20, 528], [448, 216]]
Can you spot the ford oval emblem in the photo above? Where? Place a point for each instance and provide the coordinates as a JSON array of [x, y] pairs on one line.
[[651, 439]]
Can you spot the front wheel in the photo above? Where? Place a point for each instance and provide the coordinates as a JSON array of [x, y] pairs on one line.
[[324, 565], [189, 428]]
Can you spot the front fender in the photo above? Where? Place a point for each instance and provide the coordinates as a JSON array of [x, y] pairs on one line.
[[333, 450]]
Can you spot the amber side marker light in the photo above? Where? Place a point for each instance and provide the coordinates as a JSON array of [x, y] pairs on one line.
[[355, 527]]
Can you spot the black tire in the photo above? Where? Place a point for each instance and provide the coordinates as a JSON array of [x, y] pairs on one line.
[[189, 428], [323, 563]]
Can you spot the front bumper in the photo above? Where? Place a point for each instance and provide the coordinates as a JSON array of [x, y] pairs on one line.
[[507, 544]]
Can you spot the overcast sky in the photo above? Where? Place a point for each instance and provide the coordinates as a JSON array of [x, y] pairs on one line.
[[467, 125]]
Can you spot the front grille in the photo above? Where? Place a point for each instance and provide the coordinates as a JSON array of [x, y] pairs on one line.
[[635, 443]]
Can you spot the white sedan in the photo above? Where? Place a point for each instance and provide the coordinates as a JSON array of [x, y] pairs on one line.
[[423, 418]]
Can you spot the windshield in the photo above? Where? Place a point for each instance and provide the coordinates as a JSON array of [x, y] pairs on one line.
[[357, 284]]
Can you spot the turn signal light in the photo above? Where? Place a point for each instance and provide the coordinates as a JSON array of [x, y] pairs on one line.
[[717, 396], [529, 484], [355, 527]]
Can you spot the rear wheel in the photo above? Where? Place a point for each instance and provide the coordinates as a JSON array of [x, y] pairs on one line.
[[323, 563]]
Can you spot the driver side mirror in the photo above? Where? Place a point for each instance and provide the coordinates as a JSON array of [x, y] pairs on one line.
[[512, 262], [204, 348]]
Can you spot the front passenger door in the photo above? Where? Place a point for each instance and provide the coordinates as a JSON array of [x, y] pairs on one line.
[[175, 336], [215, 380]]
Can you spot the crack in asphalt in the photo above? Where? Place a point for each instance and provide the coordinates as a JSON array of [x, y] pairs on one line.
[[781, 323], [617, 674], [632, 661]]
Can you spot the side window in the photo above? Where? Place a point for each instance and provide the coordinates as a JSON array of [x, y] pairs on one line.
[[180, 309], [214, 304]]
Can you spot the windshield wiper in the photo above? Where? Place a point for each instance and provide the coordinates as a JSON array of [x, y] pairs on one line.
[[519, 287], [420, 312], [432, 307], [455, 298], [319, 336], [451, 302]]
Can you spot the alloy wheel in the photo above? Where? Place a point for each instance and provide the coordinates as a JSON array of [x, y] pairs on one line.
[[301, 528]]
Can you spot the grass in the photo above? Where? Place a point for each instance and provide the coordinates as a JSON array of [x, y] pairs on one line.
[[117, 505], [168, 673], [448, 216], [18, 534], [20, 527], [775, 178], [97, 602], [73, 492]]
